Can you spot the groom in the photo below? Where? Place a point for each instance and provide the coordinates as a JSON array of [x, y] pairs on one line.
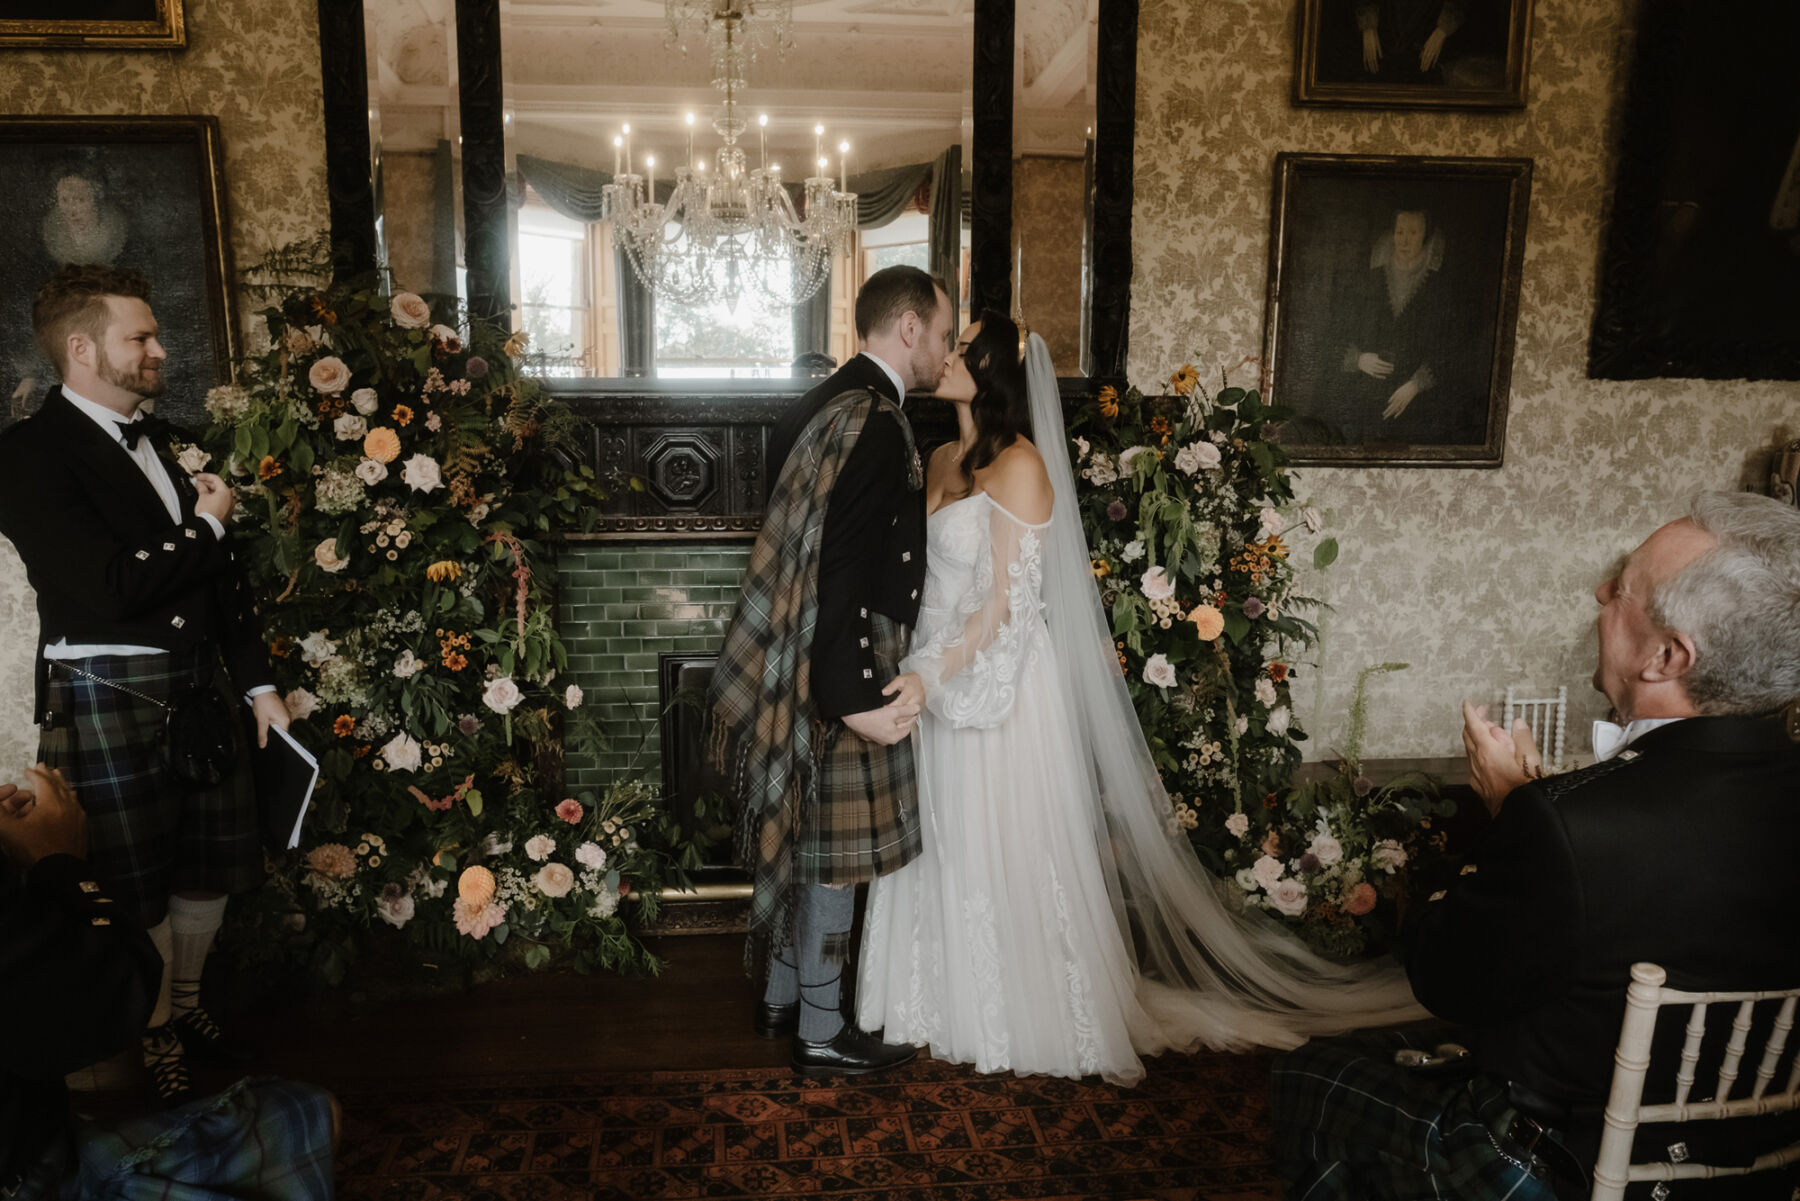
[[809, 721]]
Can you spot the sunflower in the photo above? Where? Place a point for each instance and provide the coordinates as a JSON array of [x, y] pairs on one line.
[[444, 571], [1184, 380], [1109, 401]]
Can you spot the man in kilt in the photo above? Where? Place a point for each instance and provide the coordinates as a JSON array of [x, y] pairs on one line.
[[140, 599], [810, 723], [1676, 847]]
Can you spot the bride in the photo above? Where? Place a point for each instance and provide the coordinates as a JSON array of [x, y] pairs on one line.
[[1054, 923]]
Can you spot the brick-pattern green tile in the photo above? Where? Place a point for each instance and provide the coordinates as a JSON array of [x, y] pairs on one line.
[[621, 606]]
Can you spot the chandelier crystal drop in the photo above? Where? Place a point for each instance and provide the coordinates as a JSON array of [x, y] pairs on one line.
[[732, 231]]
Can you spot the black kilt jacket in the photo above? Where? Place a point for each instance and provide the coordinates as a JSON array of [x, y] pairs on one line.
[[107, 563], [873, 556], [1683, 851]]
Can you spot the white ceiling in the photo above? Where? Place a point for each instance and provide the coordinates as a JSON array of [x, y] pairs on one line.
[[891, 76]]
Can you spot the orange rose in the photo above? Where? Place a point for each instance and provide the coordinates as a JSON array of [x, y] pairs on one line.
[[382, 444], [1209, 623]]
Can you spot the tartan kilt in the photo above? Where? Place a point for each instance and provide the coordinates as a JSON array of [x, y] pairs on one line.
[[149, 835], [1351, 1124], [865, 821], [262, 1137]]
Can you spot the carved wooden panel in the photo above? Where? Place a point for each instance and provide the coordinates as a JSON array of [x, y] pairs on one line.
[[487, 241], [990, 171], [1115, 126]]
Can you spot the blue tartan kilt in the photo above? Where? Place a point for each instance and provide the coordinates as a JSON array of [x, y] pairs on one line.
[[1352, 1124], [149, 835], [262, 1139]]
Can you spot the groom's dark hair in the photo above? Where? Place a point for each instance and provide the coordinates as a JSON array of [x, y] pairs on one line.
[[893, 292]]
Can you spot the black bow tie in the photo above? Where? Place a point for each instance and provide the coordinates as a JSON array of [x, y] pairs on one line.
[[149, 427]]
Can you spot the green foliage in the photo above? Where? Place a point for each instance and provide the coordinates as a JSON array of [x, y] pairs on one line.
[[1190, 514], [404, 487]]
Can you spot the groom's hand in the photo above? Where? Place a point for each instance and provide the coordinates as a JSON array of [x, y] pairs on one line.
[[887, 725], [907, 689]]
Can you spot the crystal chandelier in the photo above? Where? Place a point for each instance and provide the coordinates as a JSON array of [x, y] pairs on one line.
[[731, 231]]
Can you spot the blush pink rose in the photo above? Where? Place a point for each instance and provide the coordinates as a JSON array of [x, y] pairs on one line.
[[410, 311], [329, 375]]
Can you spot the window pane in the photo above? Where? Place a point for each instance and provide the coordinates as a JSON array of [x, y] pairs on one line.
[[753, 340]]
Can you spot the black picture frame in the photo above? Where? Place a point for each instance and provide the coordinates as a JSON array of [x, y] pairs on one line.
[[1700, 275], [1441, 326], [1483, 62], [141, 192], [94, 24]]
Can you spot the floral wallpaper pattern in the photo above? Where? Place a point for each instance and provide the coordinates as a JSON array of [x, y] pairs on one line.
[[1478, 578], [255, 65]]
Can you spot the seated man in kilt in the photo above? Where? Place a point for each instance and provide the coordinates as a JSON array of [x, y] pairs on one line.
[[140, 600], [1676, 847], [77, 978], [809, 722]]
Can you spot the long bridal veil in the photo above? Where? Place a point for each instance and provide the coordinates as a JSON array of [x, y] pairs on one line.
[[1206, 974]]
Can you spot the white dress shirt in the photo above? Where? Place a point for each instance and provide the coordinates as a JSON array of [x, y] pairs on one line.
[[899, 387], [1611, 738]]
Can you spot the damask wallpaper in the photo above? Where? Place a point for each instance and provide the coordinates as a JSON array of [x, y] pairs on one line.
[[1477, 578], [255, 65]]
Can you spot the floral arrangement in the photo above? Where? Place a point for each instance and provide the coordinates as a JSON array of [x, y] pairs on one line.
[[401, 487], [1190, 513]]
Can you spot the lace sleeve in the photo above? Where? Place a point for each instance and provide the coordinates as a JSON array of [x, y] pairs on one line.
[[971, 671]]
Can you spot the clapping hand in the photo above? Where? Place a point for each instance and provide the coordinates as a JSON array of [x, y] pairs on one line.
[[41, 820], [1499, 760]]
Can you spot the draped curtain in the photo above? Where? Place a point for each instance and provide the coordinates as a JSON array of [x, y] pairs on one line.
[[881, 196]]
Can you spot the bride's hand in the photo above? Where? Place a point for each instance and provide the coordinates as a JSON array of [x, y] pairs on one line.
[[886, 725]]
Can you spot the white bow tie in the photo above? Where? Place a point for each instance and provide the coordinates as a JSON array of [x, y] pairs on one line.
[[1609, 739]]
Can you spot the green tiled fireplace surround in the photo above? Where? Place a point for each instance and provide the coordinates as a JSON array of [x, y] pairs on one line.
[[623, 604]]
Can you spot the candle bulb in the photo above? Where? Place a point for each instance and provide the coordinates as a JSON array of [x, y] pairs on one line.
[[627, 130], [819, 145], [690, 125], [617, 142], [762, 138], [650, 166], [843, 166]]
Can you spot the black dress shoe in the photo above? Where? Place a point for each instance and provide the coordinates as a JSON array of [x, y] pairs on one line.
[[165, 1063], [851, 1053], [776, 1021], [209, 1045]]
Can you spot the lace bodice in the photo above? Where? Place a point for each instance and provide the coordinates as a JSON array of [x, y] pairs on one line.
[[981, 620]]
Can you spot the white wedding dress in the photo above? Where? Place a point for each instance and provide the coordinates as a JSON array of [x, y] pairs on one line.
[[998, 946], [1057, 921]]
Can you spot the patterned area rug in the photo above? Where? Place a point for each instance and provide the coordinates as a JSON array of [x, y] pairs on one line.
[[1196, 1127]]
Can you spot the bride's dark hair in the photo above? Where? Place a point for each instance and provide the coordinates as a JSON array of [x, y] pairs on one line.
[[1001, 409]]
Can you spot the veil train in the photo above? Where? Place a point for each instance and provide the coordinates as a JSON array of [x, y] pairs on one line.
[[1207, 974]]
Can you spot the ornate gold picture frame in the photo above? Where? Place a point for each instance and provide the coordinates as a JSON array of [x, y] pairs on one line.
[[94, 24]]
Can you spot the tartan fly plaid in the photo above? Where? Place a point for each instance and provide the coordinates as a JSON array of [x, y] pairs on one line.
[[814, 806], [148, 835], [1351, 1124]]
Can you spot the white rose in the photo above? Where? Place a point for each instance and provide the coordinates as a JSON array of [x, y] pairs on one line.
[[407, 665], [371, 471], [1267, 870], [605, 903], [572, 697], [1238, 825], [539, 847], [329, 375], [317, 647], [395, 906], [349, 427], [1278, 721], [591, 856], [193, 460], [326, 556], [364, 401], [1265, 691], [1206, 455], [1159, 671], [402, 753], [1328, 849], [1128, 456], [1270, 522], [421, 474], [1388, 855], [1134, 550], [409, 311], [1247, 880], [1156, 584], [1288, 897], [301, 704], [554, 880], [501, 695]]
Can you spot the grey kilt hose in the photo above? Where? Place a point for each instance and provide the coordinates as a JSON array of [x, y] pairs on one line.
[[865, 822], [148, 835]]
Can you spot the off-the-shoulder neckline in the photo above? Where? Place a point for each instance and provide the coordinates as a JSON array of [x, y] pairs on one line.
[[1030, 525]]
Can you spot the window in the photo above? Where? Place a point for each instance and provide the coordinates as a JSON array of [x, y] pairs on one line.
[[555, 300], [906, 240], [753, 340]]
